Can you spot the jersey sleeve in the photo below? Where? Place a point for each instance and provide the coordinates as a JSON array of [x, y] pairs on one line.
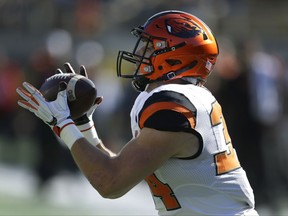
[[168, 111]]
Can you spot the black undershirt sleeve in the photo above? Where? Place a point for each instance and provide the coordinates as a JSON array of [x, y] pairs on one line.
[[167, 120]]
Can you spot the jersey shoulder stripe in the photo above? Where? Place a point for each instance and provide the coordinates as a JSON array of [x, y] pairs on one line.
[[167, 100], [153, 108], [170, 96]]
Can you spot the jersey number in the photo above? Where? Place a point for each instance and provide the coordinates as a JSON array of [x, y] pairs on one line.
[[225, 161], [162, 190]]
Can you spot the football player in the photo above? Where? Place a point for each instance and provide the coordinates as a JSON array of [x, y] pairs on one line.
[[180, 145]]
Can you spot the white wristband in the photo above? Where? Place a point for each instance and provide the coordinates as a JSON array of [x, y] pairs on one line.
[[89, 132], [69, 134]]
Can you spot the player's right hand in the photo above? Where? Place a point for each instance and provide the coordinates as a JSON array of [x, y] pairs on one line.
[[53, 113]]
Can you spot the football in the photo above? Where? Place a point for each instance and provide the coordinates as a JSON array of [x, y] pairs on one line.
[[81, 92]]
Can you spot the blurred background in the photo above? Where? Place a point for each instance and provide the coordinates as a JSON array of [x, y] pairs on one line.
[[38, 175]]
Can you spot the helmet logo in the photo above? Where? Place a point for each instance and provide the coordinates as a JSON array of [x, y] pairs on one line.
[[184, 28]]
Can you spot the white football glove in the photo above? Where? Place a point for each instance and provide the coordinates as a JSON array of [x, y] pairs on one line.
[[54, 113]]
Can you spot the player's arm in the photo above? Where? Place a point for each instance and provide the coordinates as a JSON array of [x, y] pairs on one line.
[[85, 123], [164, 134], [110, 176], [88, 130], [113, 177]]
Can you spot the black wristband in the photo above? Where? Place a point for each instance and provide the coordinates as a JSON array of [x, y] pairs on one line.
[[81, 120]]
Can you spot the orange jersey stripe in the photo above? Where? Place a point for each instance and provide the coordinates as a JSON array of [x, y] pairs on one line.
[[153, 108]]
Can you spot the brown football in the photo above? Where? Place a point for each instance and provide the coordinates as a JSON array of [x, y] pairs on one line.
[[81, 92]]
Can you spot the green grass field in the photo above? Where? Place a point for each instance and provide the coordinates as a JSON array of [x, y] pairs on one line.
[[71, 195], [30, 207], [66, 194]]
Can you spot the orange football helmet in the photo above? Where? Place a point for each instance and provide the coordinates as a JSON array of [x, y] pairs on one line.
[[182, 46]]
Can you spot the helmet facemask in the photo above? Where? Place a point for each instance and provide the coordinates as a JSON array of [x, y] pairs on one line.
[[141, 58]]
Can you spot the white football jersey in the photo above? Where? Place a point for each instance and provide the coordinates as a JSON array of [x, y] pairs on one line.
[[213, 182]]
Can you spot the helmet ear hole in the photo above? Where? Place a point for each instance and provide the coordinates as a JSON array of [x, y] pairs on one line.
[[173, 62]]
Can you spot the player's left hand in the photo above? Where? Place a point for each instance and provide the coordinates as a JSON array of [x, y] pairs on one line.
[[54, 113], [88, 115]]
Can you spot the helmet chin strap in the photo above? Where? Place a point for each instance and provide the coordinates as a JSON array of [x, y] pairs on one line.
[[172, 74], [141, 83]]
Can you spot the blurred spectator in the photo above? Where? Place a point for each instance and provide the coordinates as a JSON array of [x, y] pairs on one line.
[[88, 17], [11, 76], [52, 157], [267, 104]]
